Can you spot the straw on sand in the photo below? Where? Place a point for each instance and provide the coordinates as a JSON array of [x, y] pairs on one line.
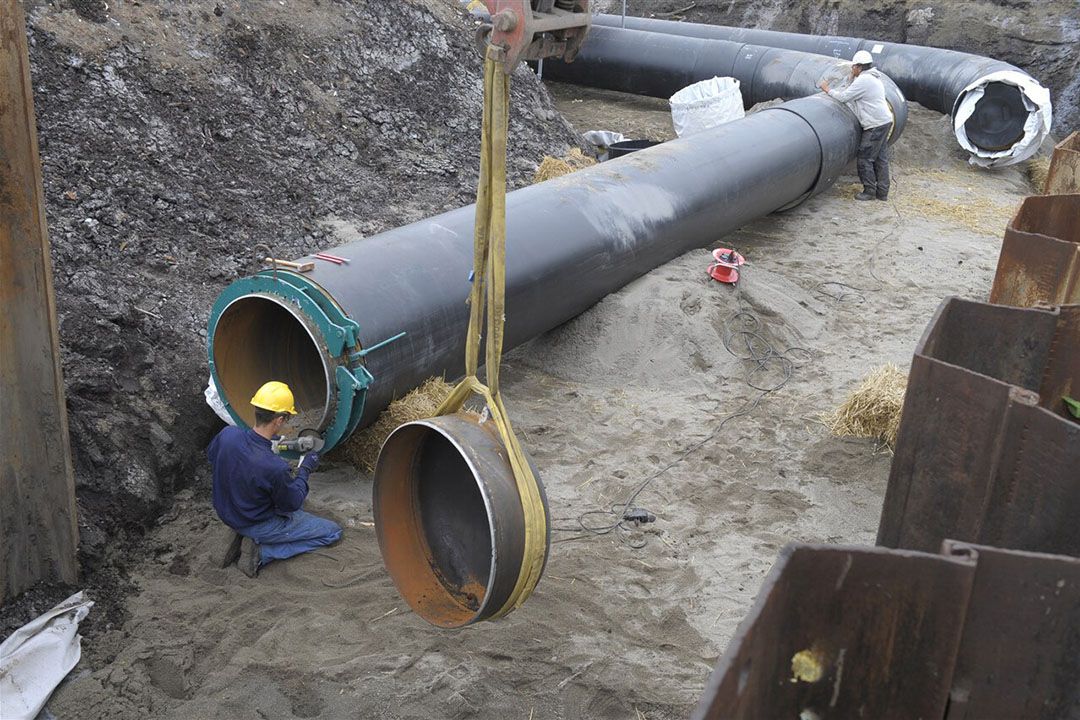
[[873, 410], [362, 448], [553, 167], [1037, 170]]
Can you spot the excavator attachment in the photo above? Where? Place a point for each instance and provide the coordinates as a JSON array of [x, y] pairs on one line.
[[537, 29]]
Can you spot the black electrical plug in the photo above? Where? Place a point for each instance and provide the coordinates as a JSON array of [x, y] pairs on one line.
[[638, 515]]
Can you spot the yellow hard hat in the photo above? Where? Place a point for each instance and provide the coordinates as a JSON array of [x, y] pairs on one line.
[[276, 397]]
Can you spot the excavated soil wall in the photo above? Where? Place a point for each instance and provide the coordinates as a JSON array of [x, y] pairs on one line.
[[177, 138], [183, 141]]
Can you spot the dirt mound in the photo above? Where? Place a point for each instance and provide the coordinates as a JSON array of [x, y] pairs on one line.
[[1043, 38], [176, 138]]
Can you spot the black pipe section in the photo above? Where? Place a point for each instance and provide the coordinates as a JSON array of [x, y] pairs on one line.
[[571, 241], [659, 65], [933, 77]]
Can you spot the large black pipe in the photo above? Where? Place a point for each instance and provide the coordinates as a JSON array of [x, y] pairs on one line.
[[936, 78], [571, 241], [659, 65]]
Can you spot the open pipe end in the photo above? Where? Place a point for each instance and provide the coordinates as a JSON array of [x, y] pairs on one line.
[[258, 338], [1002, 118], [997, 123], [449, 519]]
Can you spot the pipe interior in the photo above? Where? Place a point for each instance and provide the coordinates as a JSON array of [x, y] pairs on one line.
[[257, 340], [454, 519], [998, 121], [433, 524]]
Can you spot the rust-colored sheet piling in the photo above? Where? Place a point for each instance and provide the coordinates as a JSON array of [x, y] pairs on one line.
[[845, 632], [1064, 173], [1019, 653], [1039, 262], [37, 495], [969, 633], [986, 450]]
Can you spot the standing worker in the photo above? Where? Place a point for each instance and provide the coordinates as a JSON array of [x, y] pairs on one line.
[[866, 94], [256, 493]]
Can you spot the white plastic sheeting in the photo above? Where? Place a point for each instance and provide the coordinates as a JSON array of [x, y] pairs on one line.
[[37, 656], [213, 399], [705, 105], [603, 140], [1036, 128]]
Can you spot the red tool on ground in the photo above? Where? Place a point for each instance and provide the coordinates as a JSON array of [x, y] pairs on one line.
[[725, 265]]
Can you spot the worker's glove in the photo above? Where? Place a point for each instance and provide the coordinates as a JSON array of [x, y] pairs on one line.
[[310, 461]]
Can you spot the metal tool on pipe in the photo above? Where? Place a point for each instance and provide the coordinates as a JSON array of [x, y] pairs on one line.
[[1000, 113]]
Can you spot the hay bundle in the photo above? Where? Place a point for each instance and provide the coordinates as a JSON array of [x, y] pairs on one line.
[[1038, 168], [553, 167], [362, 449], [873, 410]]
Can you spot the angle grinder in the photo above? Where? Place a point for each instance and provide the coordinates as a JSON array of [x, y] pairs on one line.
[[305, 441]]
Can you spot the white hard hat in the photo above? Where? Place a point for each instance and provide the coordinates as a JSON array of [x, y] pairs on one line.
[[863, 58]]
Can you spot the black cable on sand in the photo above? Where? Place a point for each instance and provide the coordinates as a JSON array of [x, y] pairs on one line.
[[742, 339]]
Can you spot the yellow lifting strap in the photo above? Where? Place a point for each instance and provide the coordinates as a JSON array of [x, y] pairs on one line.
[[489, 273]]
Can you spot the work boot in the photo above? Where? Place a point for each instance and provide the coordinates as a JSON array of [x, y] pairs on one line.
[[232, 553], [865, 196], [883, 198], [249, 557]]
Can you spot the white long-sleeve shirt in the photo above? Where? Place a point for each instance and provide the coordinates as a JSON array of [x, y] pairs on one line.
[[866, 96]]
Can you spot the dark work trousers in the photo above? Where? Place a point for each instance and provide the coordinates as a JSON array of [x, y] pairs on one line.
[[874, 161]]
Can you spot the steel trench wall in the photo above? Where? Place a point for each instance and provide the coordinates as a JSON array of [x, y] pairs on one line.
[[934, 77], [571, 241], [660, 64]]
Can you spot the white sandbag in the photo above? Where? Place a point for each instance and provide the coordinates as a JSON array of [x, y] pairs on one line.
[[213, 399], [705, 105], [37, 656]]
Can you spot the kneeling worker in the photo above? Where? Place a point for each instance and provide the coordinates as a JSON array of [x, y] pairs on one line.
[[866, 94], [256, 493]]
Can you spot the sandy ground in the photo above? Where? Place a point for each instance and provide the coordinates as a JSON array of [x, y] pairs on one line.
[[614, 630]]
